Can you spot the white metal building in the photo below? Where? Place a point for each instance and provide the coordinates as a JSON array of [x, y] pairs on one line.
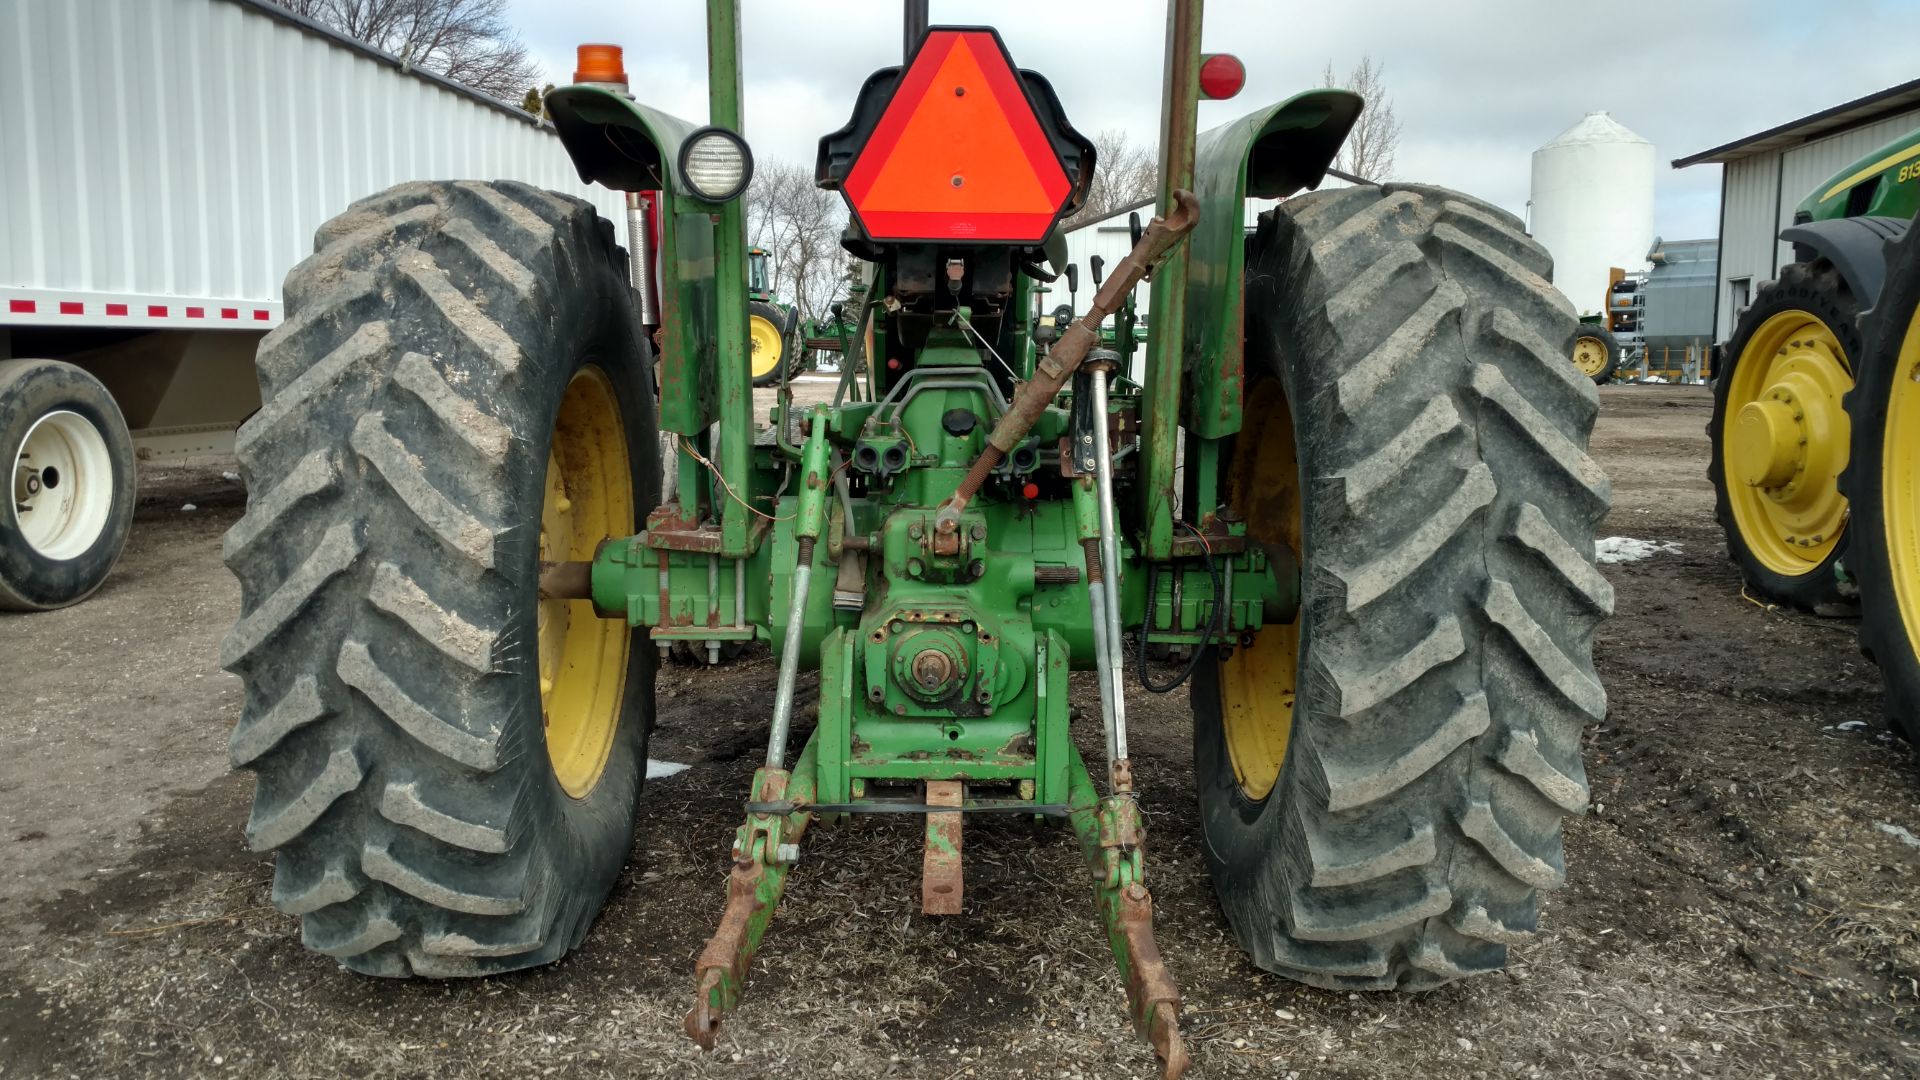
[[1765, 175]]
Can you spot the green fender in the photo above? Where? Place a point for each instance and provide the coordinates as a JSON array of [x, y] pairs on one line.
[[1267, 154], [624, 145]]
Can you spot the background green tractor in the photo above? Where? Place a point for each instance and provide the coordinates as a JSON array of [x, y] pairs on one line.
[[1781, 431], [772, 327], [1352, 483]]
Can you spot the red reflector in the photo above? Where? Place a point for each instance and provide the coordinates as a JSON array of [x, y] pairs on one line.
[[116, 309], [196, 313], [1030, 492], [1221, 76], [958, 154], [21, 307], [72, 307], [156, 311]]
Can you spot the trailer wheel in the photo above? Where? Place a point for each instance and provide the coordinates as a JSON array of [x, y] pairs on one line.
[[71, 479], [1780, 437], [768, 341], [1382, 780], [1596, 352], [1882, 485], [447, 765]]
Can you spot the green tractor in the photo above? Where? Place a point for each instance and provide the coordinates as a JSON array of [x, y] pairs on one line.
[[1781, 429], [1375, 539], [771, 325]]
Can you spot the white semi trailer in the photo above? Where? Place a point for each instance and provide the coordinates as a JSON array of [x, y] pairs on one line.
[[163, 164]]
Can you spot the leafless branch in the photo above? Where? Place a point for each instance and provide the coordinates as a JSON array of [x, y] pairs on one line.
[[1370, 147], [1123, 173], [799, 225], [468, 41]]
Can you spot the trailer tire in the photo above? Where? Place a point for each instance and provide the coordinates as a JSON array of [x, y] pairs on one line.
[[461, 390], [69, 459], [1805, 329], [1382, 781], [1883, 555]]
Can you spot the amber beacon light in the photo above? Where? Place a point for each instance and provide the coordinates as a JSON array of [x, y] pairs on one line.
[[600, 63]]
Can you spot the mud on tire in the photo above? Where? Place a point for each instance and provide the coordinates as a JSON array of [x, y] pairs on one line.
[[387, 563], [1448, 594]]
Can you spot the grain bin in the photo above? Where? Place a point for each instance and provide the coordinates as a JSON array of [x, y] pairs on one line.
[[1592, 205]]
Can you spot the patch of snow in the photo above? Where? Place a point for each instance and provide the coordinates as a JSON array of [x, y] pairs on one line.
[[1850, 725], [189, 507], [1619, 549], [659, 769], [234, 476], [1899, 834]]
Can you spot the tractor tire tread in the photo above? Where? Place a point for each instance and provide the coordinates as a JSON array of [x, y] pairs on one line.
[[384, 659], [1436, 736]]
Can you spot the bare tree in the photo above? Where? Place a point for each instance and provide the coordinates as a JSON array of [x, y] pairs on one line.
[[468, 41], [799, 225], [1123, 173], [1370, 146]]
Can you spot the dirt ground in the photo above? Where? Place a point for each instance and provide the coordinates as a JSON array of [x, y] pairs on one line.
[[1741, 901]]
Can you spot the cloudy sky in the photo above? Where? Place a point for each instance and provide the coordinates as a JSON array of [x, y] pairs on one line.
[[1477, 84]]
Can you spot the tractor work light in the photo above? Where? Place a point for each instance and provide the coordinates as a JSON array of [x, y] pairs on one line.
[[1221, 76], [716, 164]]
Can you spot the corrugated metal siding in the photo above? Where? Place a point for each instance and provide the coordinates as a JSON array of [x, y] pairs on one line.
[[1746, 222], [1762, 191], [170, 151]]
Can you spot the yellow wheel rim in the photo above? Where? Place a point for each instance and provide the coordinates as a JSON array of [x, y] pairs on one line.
[[1900, 481], [764, 339], [1590, 356], [583, 658], [1784, 442], [1258, 681]]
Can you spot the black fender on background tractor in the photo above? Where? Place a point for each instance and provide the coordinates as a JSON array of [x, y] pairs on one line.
[[1855, 246]]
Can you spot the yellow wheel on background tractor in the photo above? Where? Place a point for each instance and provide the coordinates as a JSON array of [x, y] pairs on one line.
[[767, 342], [1595, 352], [1882, 483], [1780, 437]]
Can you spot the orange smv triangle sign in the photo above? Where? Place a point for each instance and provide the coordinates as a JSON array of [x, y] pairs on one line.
[[958, 154]]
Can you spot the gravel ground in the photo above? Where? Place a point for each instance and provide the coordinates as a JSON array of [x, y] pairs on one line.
[[1741, 901]]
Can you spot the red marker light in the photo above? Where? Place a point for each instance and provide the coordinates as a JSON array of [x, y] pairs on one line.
[[1221, 76], [1030, 492]]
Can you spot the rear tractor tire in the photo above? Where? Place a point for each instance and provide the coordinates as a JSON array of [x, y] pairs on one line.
[[447, 766], [1780, 439], [1596, 353], [70, 475], [1882, 485], [1382, 781]]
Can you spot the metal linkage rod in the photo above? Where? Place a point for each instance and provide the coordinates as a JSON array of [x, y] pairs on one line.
[[1110, 564], [816, 481]]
